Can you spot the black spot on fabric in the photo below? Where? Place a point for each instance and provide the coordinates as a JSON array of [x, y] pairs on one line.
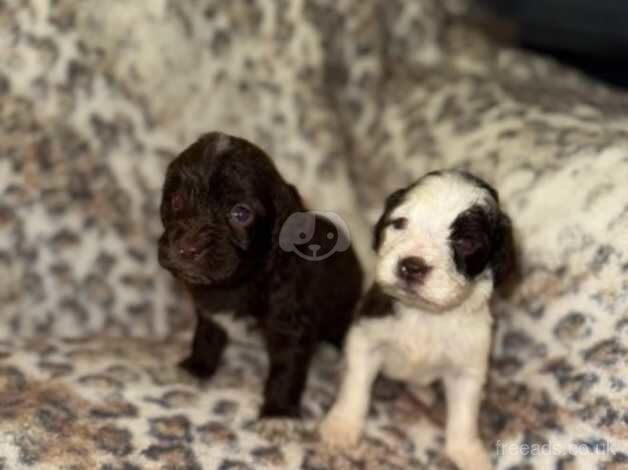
[[114, 440], [173, 452], [171, 428], [606, 353]]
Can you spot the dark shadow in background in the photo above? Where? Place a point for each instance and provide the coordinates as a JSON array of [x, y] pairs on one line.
[[591, 35]]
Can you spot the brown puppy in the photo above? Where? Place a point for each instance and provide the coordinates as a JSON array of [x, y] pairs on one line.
[[237, 234]]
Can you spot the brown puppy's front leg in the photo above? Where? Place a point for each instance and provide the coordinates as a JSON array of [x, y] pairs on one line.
[[209, 343], [290, 349]]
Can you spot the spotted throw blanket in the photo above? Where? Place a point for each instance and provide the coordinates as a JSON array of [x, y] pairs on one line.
[[353, 99]]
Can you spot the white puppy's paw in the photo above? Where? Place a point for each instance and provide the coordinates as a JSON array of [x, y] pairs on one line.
[[339, 433], [470, 456]]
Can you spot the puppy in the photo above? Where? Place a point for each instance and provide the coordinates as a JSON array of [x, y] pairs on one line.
[[443, 244], [237, 234]]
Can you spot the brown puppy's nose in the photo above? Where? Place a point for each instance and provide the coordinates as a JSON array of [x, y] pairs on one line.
[[189, 239], [187, 250], [412, 269]]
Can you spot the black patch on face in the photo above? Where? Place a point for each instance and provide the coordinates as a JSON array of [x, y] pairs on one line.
[[470, 239], [503, 259], [482, 237], [376, 303], [487, 237]]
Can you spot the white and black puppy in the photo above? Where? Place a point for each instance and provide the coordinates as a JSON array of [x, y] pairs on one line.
[[443, 244]]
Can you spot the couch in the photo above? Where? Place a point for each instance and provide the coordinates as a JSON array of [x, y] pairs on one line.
[[352, 99]]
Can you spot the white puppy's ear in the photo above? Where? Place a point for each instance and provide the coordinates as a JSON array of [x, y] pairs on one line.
[[392, 201], [503, 258], [471, 242]]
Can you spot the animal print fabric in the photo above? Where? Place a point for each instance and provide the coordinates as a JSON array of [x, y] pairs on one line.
[[353, 99]]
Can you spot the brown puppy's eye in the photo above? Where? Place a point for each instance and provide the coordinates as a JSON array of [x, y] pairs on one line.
[[400, 223], [176, 201], [240, 214]]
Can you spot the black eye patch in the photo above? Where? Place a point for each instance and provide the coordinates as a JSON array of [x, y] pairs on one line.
[[470, 241]]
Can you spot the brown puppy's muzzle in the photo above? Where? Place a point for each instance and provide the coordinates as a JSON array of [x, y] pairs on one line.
[[185, 243], [190, 242]]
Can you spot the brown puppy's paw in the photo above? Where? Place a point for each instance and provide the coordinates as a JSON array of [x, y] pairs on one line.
[[279, 429], [272, 410], [196, 369]]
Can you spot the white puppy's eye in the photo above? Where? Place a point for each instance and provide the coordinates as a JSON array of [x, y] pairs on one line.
[[399, 224]]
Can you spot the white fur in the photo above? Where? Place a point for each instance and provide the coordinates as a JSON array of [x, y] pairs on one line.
[[430, 209], [440, 331]]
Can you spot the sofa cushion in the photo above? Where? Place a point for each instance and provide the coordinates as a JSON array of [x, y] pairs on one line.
[[352, 99]]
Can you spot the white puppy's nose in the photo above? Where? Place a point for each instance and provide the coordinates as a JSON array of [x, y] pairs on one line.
[[412, 269]]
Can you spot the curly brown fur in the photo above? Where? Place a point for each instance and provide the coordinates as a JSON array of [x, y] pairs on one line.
[[223, 208]]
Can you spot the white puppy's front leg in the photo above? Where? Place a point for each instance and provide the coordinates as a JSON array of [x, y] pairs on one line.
[[343, 424], [463, 444]]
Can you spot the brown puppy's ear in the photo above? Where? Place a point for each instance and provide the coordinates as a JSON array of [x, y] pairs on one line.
[[392, 201], [286, 201], [503, 259], [295, 194]]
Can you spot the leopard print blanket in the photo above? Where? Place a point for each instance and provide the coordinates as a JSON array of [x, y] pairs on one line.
[[353, 99]]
